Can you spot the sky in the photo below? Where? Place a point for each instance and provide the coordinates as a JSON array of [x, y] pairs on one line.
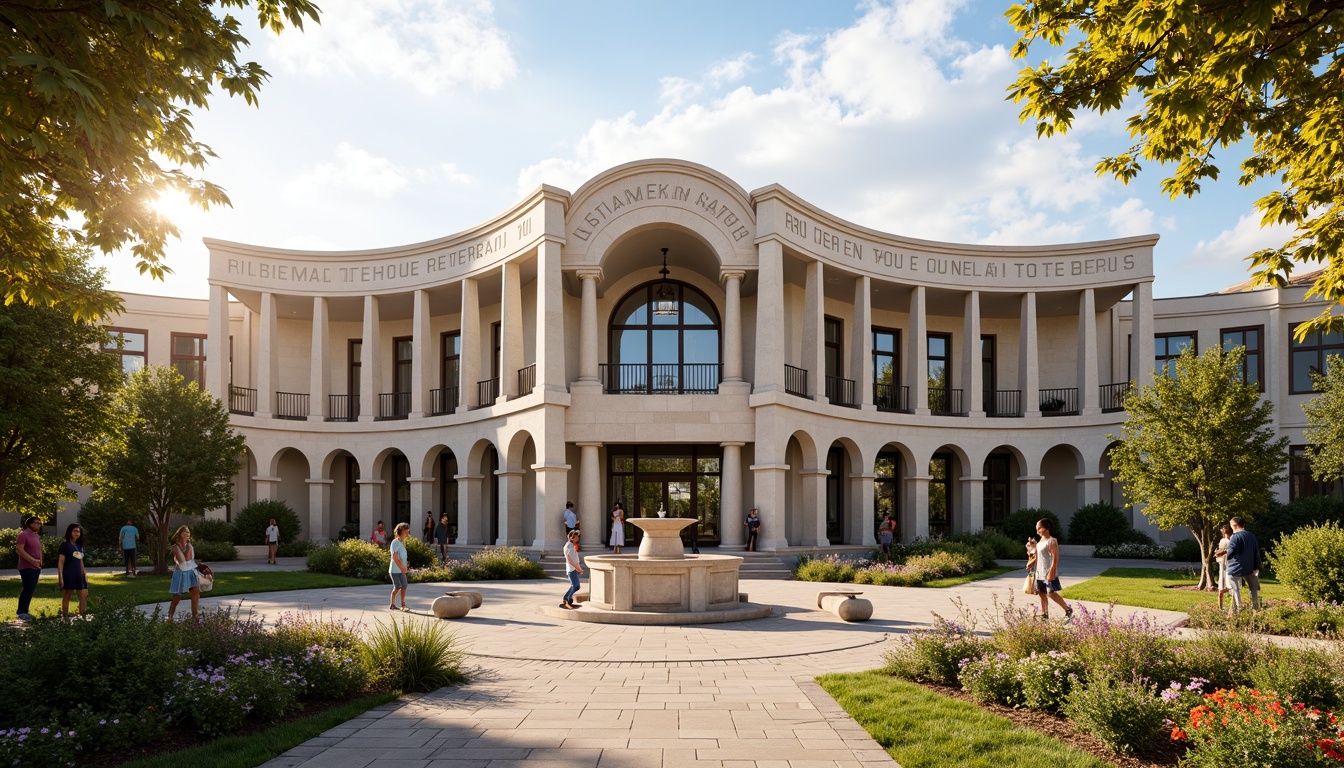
[[400, 121]]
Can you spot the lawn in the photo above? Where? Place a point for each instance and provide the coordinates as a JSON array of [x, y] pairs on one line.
[[1149, 588], [920, 728], [988, 573], [154, 589]]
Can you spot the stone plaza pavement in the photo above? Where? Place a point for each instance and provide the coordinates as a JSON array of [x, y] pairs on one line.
[[547, 692]]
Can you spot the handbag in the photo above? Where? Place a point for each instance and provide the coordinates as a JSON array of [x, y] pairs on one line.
[[206, 577], [1029, 586]]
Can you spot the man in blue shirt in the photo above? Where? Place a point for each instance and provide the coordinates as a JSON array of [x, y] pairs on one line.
[[1243, 563], [130, 536]]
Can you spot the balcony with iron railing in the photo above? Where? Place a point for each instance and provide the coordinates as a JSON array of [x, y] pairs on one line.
[[945, 402], [487, 392], [291, 405], [891, 398], [527, 379], [659, 378], [1113, 397], [1003, 403], [242, 400], [393, 405], [841, 391], [795, 380], [1062, 401], [442, 401], [342, 407]]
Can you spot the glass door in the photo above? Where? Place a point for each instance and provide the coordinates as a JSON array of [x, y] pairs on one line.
[[667, 493]]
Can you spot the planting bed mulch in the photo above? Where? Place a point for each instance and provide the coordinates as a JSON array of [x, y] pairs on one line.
[[1163, 754], [178, 738]]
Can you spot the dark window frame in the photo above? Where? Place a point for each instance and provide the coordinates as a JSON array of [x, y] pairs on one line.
[[989, 375], [354, 365], [1322, 351], [1299, 477], [993, 514], [112, 348], [1165, 357], [1258, 353], [649, 326], [837, 346], [199, 359], [351, 490], [400, 384], [946, 358], [452, 358], [894, 354]]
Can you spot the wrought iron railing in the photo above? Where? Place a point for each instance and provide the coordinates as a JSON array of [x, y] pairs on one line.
[[393, 405], [342, 407], [1003, 403], [442, 401], [795, 380], [1113, 397], [291, 405], [841, 391], [659, 378], [527, 379], [487, 392], [945, 402], [242, 400], [1059, 402], [891, 397]]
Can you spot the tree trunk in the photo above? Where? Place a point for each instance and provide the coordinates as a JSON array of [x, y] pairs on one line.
[[1202, 537], [161, 552]]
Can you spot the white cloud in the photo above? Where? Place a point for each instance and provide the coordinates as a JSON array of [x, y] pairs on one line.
[[1230, 247], [731, 70], [1131, 217], [429, 44], [352, 170]]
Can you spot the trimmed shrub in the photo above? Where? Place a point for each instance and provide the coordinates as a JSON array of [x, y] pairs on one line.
[[1280, 520], [1099, 524], [102, 520], [980, 555], [295, 548], [830, 568], [1132, 551], [418, 553], [348, 531], [249, 525], [412, 656], [210, 529], [213, 551], [352, 557], [1003, 547], [506, 563], [1021, 525], [1185, 551], [1127, 716], [9, 556], [1311, 562]]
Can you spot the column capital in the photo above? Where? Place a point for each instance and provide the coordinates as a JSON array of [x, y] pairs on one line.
[[319, 481], [468, 478], [509, 473], [1089, 477], [264, 479], [863, 476], [362, 481], [972, 478], [732, 274], [1031, 479], [419, 479], [589, 444], [589, 273], [550, 468], [769, 467], [731, 443]]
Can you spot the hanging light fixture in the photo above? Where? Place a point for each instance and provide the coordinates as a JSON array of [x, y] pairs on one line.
[[665, 295]]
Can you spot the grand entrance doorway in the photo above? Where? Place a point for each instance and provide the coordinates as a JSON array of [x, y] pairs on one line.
[[684, 480]]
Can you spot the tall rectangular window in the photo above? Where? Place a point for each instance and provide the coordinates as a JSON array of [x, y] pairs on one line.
[[886, 356], [450, 371], [404, 349], [495, 347], [1309, 356], [351, 490], [1300, 482], [189, 357], [131, 345], [940, 494], [988, 377], [834, 331], [996, 488], [940, 360], [1169, 346], [1253, 366], [352, 375]]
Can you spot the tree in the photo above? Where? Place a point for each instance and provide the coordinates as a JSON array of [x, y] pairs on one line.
[[1325, 417], [1197, 448], [1209, 76], [95, 121], [56, 388], [174, 452]]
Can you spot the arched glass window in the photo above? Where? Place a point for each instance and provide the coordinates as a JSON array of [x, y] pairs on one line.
[[663, 347]]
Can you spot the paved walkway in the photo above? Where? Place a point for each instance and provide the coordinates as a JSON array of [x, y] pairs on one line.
[[547, 692]]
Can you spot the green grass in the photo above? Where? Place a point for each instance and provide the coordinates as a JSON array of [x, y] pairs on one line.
[[953, 581], [154, 589], [920, 728], [1147, 588], [257, 748]]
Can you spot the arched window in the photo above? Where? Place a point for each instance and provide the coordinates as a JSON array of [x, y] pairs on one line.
[[663, 347]]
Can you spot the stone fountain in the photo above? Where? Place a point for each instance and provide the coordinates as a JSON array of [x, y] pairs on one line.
[[662, 584]]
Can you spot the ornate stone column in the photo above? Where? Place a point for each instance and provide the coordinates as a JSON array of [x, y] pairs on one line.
[[550, 320], [915, 510], [511, 333], [863, 528], [510, 505], [551, 483], [814, 332], [731, 514], [861, 342], [1029, 490], [1141, 348], [592, 514], [371, 507], [588, 279], [732, 323]]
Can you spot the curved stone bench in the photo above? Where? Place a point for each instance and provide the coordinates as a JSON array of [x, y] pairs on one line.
[[846, 604], [451, 606]]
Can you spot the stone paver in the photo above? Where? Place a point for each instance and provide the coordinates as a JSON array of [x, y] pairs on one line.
[[547, 692]]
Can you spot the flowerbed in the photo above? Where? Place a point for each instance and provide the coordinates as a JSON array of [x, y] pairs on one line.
[[498, 563], [1276, 617], [1102, 674], [137, 675], [910, 566]]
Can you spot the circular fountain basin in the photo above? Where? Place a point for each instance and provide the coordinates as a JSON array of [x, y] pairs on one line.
[[662, 585]]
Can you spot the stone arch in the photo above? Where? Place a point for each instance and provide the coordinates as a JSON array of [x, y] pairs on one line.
[[517, 486], [478, 513], [292, 469], [848, 493], [1061, 467], [1001, 491], [892, 469], [948, 506]]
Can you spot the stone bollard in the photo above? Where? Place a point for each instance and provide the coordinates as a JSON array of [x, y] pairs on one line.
[[847, 605], [451, 606], [475, 597]]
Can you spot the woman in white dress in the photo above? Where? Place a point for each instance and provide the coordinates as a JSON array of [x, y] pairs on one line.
[[1224, 581], [617, 527]]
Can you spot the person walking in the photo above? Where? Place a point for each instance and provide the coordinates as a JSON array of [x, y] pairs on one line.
[[185, 578], [572, 569], [617, 527], [753, 524], [130, 539], [886, 533], [29, 547], [272, 541], [1047, 570], [1220, 554], [398, 567], [441, 536], [70, 574], [429, 527], [1243, 563]]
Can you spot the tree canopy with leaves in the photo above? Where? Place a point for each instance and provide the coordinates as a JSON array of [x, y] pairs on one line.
[[173, 452], [1209, 77], [1198, 448], [56, 388], [95, 122], [1325, 417]]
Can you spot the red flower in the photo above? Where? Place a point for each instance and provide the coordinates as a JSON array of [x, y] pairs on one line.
[[1177, 734]]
